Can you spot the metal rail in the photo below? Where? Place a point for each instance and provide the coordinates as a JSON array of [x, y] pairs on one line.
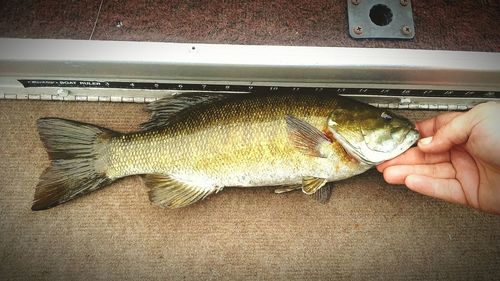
[[143, 71]]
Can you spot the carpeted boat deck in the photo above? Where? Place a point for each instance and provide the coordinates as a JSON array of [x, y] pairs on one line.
[[368, 230]]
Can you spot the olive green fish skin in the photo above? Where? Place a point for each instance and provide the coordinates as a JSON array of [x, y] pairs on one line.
[[237, 141], [195, 145]]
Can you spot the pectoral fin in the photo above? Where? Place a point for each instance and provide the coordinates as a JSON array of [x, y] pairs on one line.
[[323, 194], [166, 191], [308, 139], [311, 184]]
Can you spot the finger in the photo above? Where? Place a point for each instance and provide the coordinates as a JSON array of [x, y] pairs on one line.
[[415, 156], [430, 126], [468, 175], [397, 174], [446, 189], [455, 132]]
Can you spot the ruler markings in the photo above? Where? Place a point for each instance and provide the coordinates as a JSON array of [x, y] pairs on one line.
[[155, 86], [392, 98]]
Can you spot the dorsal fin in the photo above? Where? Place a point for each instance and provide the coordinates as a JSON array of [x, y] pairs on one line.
[[168, 192], [163, 110]]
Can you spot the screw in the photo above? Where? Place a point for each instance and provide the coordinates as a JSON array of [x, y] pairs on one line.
[[406, 30], [404, 2], [62, 92], [355, 2], [119, 24], [358, 30]]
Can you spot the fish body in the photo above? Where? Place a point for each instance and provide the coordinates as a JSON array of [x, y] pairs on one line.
[[195, 145], [234, 142]]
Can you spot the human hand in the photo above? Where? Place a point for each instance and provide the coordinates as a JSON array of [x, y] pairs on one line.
[[457, 159]]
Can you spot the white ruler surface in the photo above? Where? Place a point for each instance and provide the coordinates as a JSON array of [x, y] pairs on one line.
[[111, 71]]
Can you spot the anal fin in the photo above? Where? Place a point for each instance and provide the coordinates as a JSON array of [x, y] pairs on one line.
[[322, 195], [284, 189], [169, 192]]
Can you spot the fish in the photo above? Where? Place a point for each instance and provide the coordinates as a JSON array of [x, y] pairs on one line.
[[197, 144]]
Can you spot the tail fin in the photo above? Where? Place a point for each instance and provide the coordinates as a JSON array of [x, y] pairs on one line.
[[78, 161]]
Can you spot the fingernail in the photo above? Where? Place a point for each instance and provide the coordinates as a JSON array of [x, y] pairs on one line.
[[425, 141]]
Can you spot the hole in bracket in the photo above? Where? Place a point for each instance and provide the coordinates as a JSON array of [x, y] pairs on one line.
[[381, 15]]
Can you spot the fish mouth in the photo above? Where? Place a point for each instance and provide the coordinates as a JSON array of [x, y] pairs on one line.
[[371, 157], [410, 139]]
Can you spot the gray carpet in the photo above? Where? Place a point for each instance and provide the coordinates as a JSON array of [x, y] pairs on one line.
[[369, 230]]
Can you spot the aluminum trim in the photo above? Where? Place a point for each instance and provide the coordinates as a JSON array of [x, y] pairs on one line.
[[40, 58]]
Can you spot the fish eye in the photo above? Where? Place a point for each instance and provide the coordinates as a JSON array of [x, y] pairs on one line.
[[386, 116]]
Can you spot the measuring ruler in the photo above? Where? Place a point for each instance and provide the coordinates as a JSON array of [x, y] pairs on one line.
[[73, 70], [113, 91]]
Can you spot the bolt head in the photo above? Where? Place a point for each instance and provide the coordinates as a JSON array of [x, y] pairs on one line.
[[406, 30], [404, 2], [358, 30], [119, 24], [355, 2]]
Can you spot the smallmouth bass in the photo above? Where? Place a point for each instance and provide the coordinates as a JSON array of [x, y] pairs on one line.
[[197, 144]]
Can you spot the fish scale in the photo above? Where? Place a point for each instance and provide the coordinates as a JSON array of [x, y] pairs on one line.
[[240, 137], [195, 145]]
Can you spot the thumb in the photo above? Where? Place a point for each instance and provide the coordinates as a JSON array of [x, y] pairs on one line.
[[455, 132]]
